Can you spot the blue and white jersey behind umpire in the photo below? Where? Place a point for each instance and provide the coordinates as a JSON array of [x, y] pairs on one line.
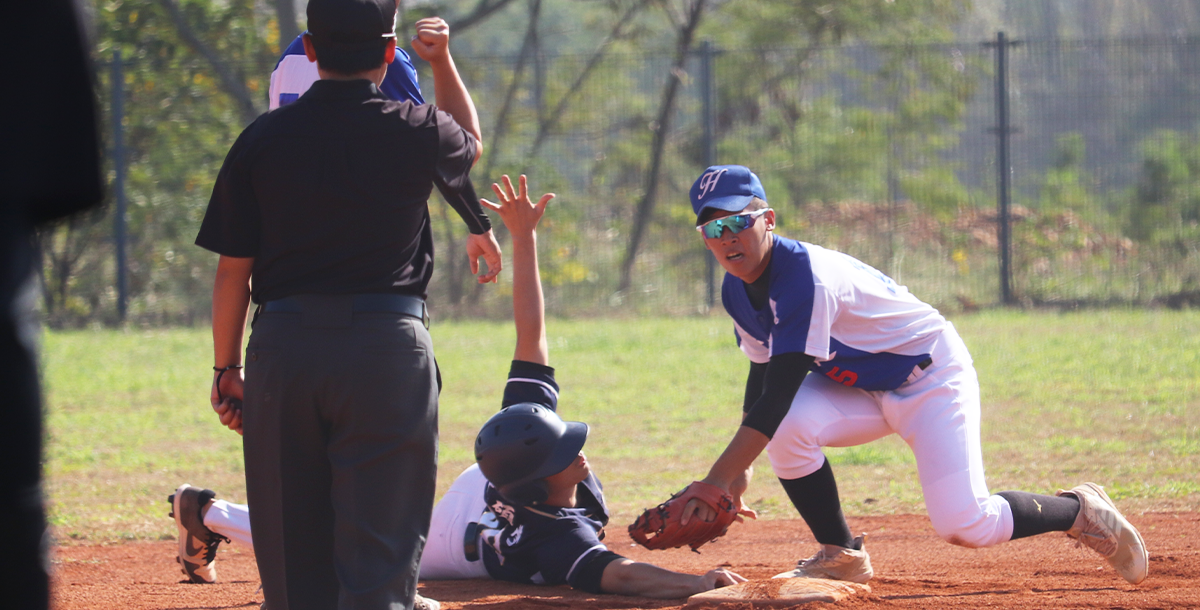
[[545, 544], [294, 74], [865, 330]]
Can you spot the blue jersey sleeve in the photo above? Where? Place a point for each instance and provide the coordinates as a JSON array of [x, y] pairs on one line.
[[792, 294], [531, 382], [400, 83]]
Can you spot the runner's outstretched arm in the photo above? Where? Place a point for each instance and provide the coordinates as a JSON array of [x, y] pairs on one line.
[[521, 217]]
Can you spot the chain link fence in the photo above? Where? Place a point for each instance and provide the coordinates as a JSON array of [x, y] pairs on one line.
[[888, 153]]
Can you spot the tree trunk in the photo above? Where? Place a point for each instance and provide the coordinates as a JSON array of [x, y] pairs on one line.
[[482, 11], [645, 207], [494, 144], [61, 247], [551, 120], [510, 96], [539, 64], [454, 280], [47, 237], [285, 14]]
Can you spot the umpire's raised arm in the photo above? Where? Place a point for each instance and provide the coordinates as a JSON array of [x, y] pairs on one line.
[[432, 43]]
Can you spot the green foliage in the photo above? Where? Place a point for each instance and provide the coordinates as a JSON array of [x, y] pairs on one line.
[[857, 104], [180, 120], [1166, 200], [1067, 184], [841, 120], [800, 97], [1164, 208]]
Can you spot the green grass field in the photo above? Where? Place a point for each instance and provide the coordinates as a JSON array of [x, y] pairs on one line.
[[1108, 396]]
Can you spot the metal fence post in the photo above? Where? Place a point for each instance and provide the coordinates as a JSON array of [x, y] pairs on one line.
[[1003, 132], [119, 233], [708, 95]]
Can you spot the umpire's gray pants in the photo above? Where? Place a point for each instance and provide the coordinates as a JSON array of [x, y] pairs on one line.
[[340, 446]]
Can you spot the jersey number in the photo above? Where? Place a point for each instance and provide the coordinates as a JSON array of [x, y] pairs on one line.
[[846, 378]]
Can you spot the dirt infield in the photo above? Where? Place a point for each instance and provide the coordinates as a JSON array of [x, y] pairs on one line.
[[913, 567]]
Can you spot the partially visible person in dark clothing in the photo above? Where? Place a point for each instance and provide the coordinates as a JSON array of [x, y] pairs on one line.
[[320, 216], [50, 169]]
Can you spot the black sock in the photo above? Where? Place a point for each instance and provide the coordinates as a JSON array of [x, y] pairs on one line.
[[816, 497], [1035, 514]]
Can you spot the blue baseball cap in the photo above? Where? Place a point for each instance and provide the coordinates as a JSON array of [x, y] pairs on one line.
[[725, 187]]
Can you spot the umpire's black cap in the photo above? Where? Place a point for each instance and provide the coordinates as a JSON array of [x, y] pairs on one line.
[[349, 26]]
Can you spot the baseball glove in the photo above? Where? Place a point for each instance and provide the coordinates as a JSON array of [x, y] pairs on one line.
[[659, 527]]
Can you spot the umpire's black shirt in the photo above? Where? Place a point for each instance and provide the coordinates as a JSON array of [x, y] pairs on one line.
[[328, 193]]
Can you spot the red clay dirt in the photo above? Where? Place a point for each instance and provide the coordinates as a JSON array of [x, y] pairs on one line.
[[913, 569]]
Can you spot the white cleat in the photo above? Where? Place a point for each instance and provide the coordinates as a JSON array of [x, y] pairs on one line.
[[1102, 528], [851, 565]]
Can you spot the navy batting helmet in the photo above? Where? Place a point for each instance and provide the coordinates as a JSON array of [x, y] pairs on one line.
[[522, 445]]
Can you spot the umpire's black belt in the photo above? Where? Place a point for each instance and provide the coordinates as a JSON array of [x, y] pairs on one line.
[[403, 304]]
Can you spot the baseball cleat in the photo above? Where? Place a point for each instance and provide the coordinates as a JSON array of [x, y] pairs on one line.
[[420, 602], [197, 544], [1102, 528], [852, 565]]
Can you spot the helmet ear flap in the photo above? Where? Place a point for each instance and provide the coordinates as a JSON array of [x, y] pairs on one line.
[[533, 492]]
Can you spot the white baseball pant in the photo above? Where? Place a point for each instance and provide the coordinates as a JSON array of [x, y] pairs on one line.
[[937, 414]]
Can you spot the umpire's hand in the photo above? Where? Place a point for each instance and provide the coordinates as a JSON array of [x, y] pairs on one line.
[[432, 41], [227, 399], [484, 245]]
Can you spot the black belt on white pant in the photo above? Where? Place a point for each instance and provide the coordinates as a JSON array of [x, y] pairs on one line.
[[471, 542]]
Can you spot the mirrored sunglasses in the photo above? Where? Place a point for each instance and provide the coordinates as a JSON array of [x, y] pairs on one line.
[[736, 224]]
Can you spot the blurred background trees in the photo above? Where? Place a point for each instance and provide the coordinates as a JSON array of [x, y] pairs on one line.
[[867, 120]]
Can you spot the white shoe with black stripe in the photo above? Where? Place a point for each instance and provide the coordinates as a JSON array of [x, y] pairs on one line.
[[1102, 528]]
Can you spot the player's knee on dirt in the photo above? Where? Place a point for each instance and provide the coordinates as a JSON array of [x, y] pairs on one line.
[[974, 523]]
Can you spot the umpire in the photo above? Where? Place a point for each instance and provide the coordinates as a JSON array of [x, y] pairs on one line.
[[323, 204]]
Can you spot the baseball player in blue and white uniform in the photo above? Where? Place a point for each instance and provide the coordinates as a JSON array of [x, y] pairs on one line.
[[530, 510], [841, 355], [294, 74]]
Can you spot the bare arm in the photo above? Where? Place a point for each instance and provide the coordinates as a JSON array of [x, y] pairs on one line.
[[231, 302], [432, 43], [529, 313], [627, 577], [521, 217], [770, 390], [737, 458]]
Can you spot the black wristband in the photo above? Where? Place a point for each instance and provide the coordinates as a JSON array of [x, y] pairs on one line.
[[221, 373]]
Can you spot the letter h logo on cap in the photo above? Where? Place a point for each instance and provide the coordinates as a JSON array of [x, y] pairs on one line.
[[725, 187], [708, 182]]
